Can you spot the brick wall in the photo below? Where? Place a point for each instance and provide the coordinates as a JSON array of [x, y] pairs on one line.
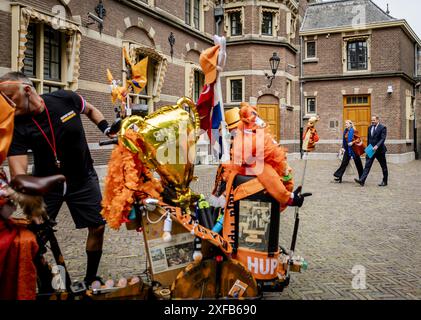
[[175, 7], [329, 53], [391, 51], [407, 56], [96, 57], [418, 118], [386, 50], [45, 5], [390, 108]]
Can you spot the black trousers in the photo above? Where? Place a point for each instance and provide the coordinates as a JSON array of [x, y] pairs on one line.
[[345, 161], [381, 158]]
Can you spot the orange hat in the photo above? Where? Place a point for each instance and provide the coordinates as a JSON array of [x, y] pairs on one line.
[[232, 118], [208, 61]]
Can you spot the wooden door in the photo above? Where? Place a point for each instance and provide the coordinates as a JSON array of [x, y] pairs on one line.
[[270, 114], [359, 112]]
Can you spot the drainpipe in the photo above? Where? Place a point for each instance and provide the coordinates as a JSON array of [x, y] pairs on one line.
[[218, 14], [417, 85], [301, 97], [415, 121]]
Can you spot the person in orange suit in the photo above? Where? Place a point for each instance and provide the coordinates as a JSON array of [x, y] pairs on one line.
[[255, 152], [18, 246], [310, 136]]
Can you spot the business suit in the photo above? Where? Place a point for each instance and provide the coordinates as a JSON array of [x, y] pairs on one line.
[[376, 137]]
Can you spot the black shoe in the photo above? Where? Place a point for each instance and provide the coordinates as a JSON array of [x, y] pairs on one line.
[[383, 184], [361, 183], [338, 180]]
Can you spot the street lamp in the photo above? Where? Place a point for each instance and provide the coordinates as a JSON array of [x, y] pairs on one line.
[[274, 64]]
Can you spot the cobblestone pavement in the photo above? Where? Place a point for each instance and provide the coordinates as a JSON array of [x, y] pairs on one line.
[[342, 226]]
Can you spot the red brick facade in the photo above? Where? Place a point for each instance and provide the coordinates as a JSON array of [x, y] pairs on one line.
[[391, 63], [391, 59]]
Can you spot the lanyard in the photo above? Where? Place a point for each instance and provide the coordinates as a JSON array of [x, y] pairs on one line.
[[53, 143]]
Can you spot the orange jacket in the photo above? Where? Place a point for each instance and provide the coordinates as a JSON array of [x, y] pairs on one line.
[[6, 127]]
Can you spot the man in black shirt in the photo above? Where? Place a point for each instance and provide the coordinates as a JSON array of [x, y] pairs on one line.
[[50, 125]]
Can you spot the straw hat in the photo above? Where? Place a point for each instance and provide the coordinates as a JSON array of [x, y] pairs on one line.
[[232, 118]]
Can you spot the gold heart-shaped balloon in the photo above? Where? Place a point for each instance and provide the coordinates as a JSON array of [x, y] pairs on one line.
[[167, 144]]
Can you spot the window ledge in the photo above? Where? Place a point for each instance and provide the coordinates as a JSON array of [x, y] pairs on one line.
[[357, 71], [311, 60], [232, 104], [309, 115]]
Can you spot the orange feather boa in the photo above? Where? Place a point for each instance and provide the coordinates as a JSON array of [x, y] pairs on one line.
[[127, 179]]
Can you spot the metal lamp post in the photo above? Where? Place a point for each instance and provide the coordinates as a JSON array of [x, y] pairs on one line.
[[274, 64]]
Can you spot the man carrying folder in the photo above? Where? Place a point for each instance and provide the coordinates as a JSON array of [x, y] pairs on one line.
[[376, 137]]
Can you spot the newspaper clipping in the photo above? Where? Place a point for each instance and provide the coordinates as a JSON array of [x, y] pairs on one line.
[[166, 256], [254, 225]]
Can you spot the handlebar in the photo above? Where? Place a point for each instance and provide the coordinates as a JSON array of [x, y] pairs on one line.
[[108, 142]]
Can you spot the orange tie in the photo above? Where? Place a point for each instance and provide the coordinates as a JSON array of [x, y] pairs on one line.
[[6, 127]]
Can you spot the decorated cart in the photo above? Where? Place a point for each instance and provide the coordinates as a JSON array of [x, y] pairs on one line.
[[226, 246]]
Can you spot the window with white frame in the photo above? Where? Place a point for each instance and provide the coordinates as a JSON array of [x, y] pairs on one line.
[[311, 105], [236, 24], [193, 12], [310, 49], [45, 57], [357, 55], [235, 89], [267, 23]]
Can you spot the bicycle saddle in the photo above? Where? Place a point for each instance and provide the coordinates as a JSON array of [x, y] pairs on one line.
[[35, 186]]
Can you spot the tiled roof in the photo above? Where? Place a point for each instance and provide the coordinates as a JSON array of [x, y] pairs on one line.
[[343, 13]]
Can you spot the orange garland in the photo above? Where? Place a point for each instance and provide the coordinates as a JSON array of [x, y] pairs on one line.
[[127, 179]]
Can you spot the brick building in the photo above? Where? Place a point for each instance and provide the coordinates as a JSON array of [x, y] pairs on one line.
[[359, 61], [254, 31], [58, 45]]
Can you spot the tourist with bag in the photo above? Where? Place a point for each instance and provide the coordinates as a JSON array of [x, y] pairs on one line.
[[352, 148]]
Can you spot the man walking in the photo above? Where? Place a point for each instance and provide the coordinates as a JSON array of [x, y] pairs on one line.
[[50, 125], [376, 137]]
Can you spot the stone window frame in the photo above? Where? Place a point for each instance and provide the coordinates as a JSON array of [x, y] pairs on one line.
[[201, 26], [71, 35], [345, 41], [306, 49], [227, 19], [156, 75], [228, 88], [275, 21], [291, 25], [288, 92], [307, 113], [150, 3], [191, 68]]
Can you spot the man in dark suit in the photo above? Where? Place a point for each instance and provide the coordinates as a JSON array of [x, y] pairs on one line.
[[376, 137]]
